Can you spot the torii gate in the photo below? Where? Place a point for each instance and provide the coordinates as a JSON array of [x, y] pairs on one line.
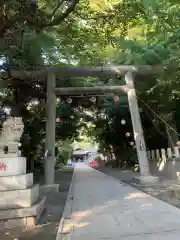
[[52, 91]]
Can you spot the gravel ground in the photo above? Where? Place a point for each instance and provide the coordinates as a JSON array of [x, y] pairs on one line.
[[165, 190], [49, 222]]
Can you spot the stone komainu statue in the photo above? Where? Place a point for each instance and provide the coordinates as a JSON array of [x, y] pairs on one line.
[[11, 133]]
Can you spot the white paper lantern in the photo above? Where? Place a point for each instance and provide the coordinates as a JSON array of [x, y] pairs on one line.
[[69, 100], [58, 120], [123, 122], [116, 98], [93, 99]]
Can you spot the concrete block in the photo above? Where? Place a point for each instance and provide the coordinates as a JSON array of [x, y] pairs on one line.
[[23, 217], [19, 198], [12, 166], [16, 182], [148, 180], [176, 190]]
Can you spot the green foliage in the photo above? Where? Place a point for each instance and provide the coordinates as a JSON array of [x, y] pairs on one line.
[[65, 151], [154, 40], [108, 130]]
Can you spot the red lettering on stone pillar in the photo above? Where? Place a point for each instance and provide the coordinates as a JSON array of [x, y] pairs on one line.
[[3, 166]]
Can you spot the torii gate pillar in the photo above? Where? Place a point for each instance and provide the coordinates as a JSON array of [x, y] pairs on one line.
[[145, 177], [49, 167]]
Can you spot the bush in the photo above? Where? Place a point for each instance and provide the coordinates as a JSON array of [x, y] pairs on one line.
[[64, 152]]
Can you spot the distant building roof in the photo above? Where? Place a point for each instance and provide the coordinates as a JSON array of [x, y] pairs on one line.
[[80, 152]]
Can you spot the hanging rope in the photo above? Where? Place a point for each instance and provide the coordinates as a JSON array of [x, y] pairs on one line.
[[160, 118]]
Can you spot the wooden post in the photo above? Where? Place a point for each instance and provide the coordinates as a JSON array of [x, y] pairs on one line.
[[153, 154], [149, 155], [137, 127], [176, 152], [50, 129], [157, 154], [163, 154], [169, 152]]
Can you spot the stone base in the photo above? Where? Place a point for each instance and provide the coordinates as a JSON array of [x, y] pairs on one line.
[[13, 165], [23, 217], [149, 180], [16, 182], [19, 198]]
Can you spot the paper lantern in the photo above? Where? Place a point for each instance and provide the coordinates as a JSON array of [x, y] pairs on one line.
[[58, 120], [116, 98], [123, 122], [93, 99], [69, 100]]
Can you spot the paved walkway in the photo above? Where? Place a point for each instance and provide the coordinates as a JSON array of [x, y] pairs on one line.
[[102, 208]]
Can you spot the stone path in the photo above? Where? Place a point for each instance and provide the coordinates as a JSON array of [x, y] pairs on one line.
[[103, 208]]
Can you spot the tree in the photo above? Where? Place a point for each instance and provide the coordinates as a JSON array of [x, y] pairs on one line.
[[108, 130], [127, 32], [154, 39], [39, 15], [37, 49]]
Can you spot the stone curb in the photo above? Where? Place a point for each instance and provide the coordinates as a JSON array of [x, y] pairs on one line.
[[65, 234]]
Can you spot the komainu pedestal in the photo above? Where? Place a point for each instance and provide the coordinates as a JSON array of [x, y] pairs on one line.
[[20, 204]]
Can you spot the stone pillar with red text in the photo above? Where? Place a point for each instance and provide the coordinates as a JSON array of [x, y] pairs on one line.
[[19, 197]]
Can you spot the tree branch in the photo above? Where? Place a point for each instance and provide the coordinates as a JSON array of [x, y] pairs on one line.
[[37, 20], [96, 17], [8, 24], [59, 19], [56, 8]]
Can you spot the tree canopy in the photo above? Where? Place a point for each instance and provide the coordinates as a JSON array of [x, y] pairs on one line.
[[34, 34]]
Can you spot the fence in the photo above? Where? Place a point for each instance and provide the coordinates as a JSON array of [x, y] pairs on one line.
[[165, 162], [164, 153]]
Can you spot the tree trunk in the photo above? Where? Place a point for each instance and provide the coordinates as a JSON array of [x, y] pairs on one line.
[[15, 108], [121, 155]]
